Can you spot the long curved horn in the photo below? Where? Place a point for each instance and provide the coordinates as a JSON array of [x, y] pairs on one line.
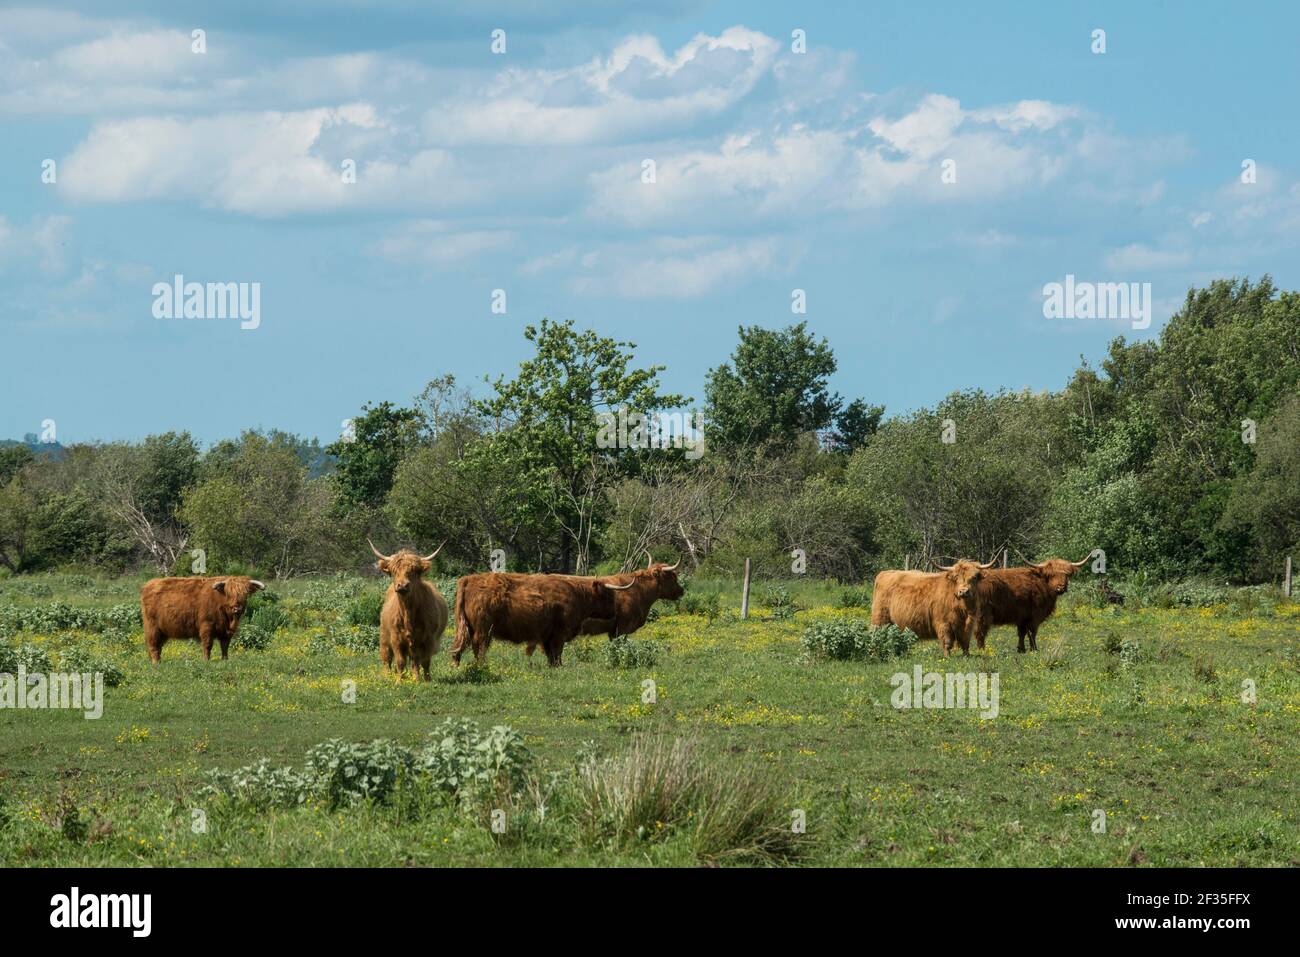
[[378, 553], [1080, 564], [618, 587], [649, 559], [673, 566], [945, 568], [989, 564], [257, 585], [429, 557]]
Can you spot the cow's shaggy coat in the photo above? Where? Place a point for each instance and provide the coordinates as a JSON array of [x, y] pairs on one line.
[[414, 615], [1023, 596], [943, 606], [195, 609]]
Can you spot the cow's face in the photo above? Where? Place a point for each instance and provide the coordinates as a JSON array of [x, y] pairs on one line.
[[405, 569], [236, 591], [963, 577], [666, 584], [1056, 573]]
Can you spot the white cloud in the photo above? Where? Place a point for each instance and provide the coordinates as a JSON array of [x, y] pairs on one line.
[[679, 268], [433, 245], [1137, 257]]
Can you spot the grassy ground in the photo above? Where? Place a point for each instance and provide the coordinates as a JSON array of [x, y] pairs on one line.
[[1153, 732]]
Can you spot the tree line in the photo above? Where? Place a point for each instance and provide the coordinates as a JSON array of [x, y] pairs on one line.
[[1178, 456]]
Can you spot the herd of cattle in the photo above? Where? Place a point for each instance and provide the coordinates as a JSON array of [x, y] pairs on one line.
[[953, 605]]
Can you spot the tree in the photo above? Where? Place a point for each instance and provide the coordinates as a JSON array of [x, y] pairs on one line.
[[855, 424], [143, 487], [547, 422], [259, 511], [367, 459], [773, 390]]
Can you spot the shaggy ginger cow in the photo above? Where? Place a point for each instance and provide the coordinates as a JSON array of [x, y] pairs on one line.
[[1024, 596], [197, 609], [653, 583], [414, 614], [942, 605]]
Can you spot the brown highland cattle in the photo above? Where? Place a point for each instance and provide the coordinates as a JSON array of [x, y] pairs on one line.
[[632, 606], [546, 610], [942, 605], [414, 615], [197, 609], [1024, 596]]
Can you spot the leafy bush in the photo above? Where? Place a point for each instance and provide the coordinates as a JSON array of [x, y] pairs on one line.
[[26, 656], [855, 639], [269, 618], [332, 594], [344, 774], [365, 610], [855, 598], [706, 603], [252, 636], [625, 652], [1112, 643], [461, 758], [77, 658], [779, 600]]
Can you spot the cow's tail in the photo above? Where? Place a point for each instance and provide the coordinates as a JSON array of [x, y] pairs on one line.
[[464, 633]]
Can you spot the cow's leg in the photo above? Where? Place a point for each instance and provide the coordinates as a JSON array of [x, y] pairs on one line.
[[205, 640], [225, 647], [554, 649], [424, 664], [385, 655], [1022, 630], [1033, 637], [532, 646], [480, 647], [945, 639], [153, 642]]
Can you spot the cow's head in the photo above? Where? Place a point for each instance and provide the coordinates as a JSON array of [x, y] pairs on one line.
[[964, 576], [404, 567], [235, 592], [1056, 572], [666, 586]]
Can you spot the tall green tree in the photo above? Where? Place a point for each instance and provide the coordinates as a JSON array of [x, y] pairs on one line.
[[367, 458], [547, 427]]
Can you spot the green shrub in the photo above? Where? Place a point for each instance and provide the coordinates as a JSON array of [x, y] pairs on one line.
[[625, 652], [778, 599], [706, 603], [26, 656], [365, 610], [252, 636], [79, 659], [344, 774], [462, 759], [332, 594], [855, 598], [1112, 643], [855, 639]]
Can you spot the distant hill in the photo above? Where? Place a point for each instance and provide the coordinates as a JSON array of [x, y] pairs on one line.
[[51, 450]]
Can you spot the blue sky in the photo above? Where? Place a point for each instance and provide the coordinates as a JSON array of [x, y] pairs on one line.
[[521, 171]]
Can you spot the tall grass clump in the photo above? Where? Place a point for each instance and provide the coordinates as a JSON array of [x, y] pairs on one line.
[[662, 787]]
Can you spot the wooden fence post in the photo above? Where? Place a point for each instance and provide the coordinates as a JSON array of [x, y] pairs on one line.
[[907, 559], [1004, 558], [744, 593], [1286, 577]]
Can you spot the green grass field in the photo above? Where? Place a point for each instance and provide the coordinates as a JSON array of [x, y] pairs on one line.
[[1137, 712]]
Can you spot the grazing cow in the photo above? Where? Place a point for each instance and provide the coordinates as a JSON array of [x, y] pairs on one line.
[[943, 605], [414, 615], [1024, 596], [546, 610], [197, 609]]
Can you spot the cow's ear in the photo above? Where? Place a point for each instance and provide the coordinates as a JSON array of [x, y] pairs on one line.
[[219, 586], [425, 566], [382, 565]]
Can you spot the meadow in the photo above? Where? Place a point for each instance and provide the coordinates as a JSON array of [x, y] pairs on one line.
[[1177, 715]]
